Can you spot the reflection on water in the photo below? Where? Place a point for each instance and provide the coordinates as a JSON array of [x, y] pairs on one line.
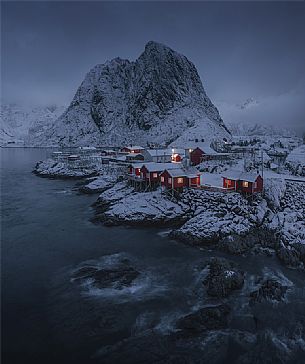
[[49, 317]]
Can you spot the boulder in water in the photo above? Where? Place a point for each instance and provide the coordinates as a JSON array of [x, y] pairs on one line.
[[223, 278], [205, 319], [118, 276], [271, 290]]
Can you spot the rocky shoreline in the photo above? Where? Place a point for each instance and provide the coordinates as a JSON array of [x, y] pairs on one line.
[[272, 224]]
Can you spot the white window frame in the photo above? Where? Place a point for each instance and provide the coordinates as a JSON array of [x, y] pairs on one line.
[[169, 180]]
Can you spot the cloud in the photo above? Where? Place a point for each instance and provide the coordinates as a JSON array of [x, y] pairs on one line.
[[285, 110]]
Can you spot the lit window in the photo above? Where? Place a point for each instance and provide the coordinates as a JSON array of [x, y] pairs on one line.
[[180, 180], [169, 180], [162, 179], [245, 184], [155, 175]]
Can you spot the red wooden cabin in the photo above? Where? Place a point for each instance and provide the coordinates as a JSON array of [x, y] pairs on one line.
[[196, 156], [134, 169], [151, 171], [178, 178], [243, 182]]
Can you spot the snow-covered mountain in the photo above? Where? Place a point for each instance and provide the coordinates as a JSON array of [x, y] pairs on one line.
[[22, 125], [157, 98], [250, 118], [256, 129]]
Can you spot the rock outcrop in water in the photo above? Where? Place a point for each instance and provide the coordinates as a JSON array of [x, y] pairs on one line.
[[154, 99], [205, 319], [117, 276], [270, 289], [223, 278]]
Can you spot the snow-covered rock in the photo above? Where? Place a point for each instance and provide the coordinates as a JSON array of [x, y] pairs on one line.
[[292, 217], [156, 98], [53, 169], [122, 205], [150, 208], [274, 190], [295, 161], [216, 215]]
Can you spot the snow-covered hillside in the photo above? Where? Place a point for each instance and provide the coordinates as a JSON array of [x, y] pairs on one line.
[[247, 118], [22, 125], [156, 98], [295, 161]]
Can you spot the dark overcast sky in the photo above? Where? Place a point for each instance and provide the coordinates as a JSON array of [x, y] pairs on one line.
[[241, 50]]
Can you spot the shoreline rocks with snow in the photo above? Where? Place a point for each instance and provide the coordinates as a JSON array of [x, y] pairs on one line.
[[218, 215], [98, 184], [121, 205], [59, 170], [229, 221]]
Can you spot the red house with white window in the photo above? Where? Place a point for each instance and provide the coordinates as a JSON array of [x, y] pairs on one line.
[[134, 170], [245, 182], [179, 178], [151, 171]]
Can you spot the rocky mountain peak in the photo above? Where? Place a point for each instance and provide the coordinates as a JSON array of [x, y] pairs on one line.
[[155, 98]]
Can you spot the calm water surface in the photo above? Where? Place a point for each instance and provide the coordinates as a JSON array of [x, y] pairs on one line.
[[46, 234]]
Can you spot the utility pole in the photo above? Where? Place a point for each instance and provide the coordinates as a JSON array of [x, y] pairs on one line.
[[262, 155]]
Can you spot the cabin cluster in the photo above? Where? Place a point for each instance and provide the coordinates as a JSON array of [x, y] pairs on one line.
[[170, 176], [244, 182], [173, 168]]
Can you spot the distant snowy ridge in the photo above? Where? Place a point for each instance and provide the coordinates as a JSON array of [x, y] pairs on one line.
[[251, 118], [22, 125], [257, 129], [157, 99]]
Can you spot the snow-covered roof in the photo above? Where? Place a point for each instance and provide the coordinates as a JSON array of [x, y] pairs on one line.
[[239, 175], [273, 165], [180, 151], [159, 167], [137, 165], [133, 155], [159, 152], [249, 176], [179, 172], [134, 147]]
